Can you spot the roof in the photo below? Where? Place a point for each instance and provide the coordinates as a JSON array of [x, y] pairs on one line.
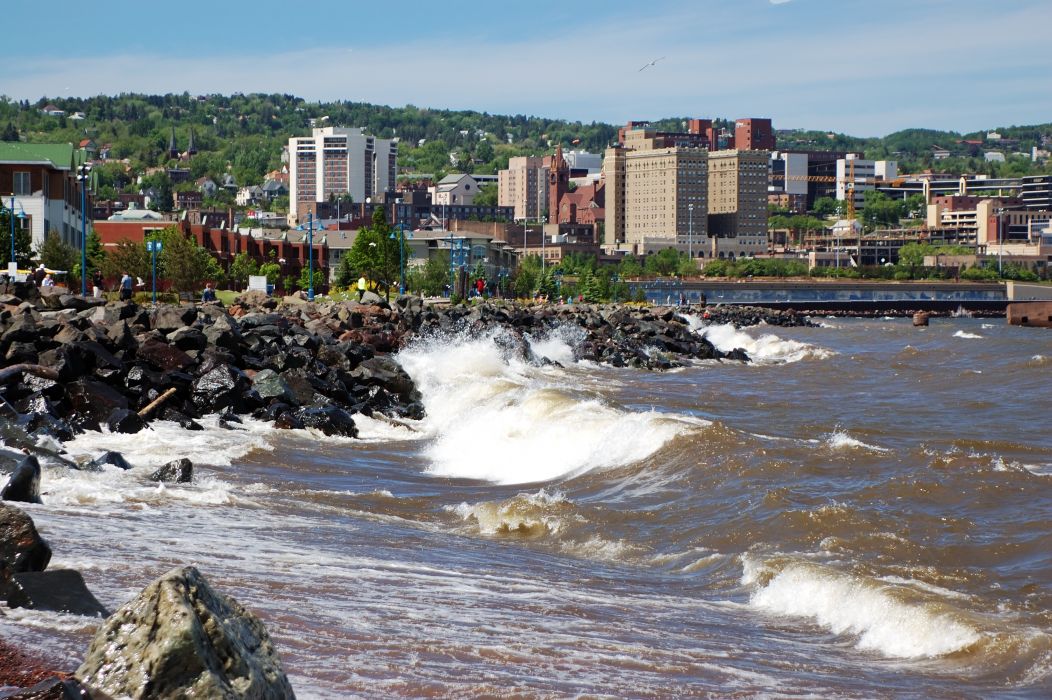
[[453, 179], [57, 155], [136, 215]]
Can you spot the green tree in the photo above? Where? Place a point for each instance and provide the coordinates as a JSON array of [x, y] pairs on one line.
[[487, 195], [375, 252], [433, 276], [241, 268], [59, 255], [881, 211], [827, 207], [304, 279], [23, 241], [127, 257], [183, 262]]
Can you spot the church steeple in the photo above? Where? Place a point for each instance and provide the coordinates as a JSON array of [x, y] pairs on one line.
[[558, 183], [173, 151], [192, 148]]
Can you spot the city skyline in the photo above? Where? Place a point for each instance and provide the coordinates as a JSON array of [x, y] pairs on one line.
[[861, 70]]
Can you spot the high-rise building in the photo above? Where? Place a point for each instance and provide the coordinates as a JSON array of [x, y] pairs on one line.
[[524, 185], [336, 161], [738, 201], [656, 195]]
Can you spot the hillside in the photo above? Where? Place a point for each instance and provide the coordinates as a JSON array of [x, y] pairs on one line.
[[244, 134]]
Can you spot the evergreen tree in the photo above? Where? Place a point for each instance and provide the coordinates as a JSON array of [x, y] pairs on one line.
[[56, 254]]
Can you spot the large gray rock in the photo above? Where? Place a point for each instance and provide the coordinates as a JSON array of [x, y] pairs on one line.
[[21, 547], [181, 639], [271, 385], [24, 483]]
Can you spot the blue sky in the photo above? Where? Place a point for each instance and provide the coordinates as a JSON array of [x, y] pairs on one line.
[[862, 67]]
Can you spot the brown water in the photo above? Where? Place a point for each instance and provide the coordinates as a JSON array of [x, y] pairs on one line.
[[864, 512]]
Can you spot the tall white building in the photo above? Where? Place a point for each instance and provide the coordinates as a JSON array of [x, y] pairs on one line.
[[335, 161], [858, 174]]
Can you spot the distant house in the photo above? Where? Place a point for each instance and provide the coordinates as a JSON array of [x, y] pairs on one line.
[[939, 153], [248, 196], [207, 186], [104, 151], [89, 147], [177, 175], [228, 183], [78, 116], [273, 189], [53, 111], [994, 157], [188, 199]]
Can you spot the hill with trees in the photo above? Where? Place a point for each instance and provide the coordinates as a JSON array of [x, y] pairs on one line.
[[244, 134]]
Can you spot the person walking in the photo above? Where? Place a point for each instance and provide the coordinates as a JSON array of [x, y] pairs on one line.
[[96, 284], [39, 274], [362, 284], [126, 287]]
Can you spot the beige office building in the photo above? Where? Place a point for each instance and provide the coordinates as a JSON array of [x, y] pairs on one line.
[[524, 185], [738, 203], [335, 161], [656, 198]]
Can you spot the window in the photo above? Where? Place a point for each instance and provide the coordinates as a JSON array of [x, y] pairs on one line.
[[22, 183]]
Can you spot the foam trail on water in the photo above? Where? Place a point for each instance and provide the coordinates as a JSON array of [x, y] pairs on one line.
[[164, 441], [768, 349], [884, 618], [504, 421], [965, 334]]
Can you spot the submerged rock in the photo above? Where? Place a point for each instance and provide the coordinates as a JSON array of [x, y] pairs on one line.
[[61, 590], [24, 482], [180, 639], [21, 546], [180, 471], [115, 459]]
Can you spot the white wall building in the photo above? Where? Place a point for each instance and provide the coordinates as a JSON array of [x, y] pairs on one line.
[[860, 175], [337, 161], [458, 188]]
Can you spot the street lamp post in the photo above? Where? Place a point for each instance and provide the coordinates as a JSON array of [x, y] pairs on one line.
[[310, 256], [82, 176], [12, 227], [401, 256]]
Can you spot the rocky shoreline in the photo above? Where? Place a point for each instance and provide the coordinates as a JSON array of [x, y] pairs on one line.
[[72, 365]]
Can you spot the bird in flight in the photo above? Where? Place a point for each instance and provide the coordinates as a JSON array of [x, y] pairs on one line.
[[652, 63]]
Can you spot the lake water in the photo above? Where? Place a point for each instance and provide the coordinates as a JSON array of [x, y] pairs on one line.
[[864, 511]]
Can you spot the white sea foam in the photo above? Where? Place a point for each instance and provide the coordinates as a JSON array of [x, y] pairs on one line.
[[767, 349], [164, 441], [965, 334], [558, 344], [840, 440], [504, 421], [884, 618]]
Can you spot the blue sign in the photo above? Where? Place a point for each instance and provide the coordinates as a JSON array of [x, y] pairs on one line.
[[153, 246]]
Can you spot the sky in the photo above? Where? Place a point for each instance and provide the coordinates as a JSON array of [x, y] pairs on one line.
[[862, 67]]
